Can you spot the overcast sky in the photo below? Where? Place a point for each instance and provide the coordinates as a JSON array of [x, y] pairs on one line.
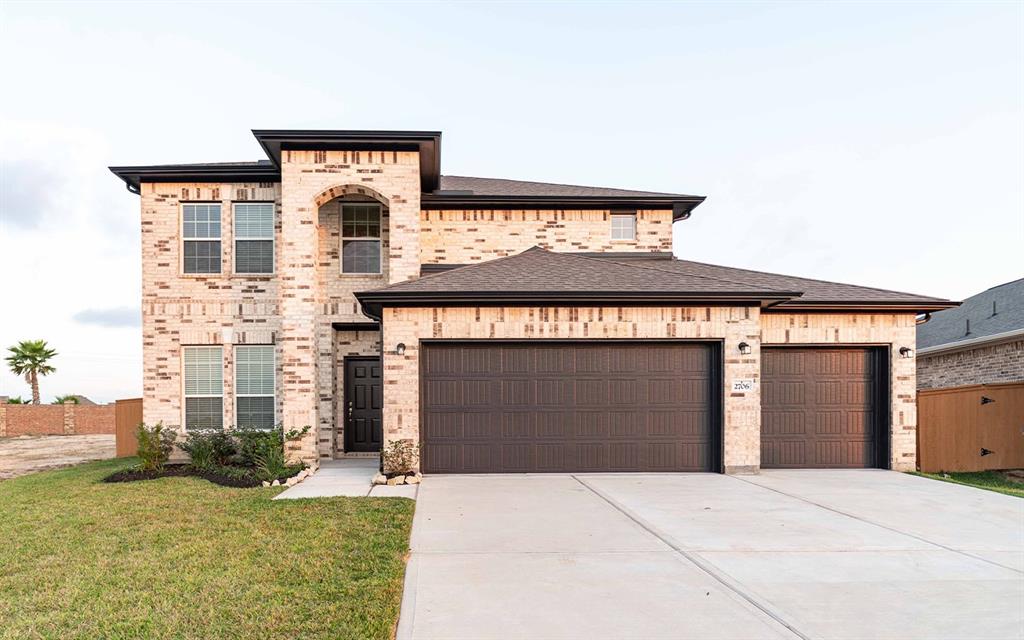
[[879, 144]]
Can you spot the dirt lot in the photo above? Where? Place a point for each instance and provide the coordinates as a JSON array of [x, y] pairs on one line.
[[26, 454]]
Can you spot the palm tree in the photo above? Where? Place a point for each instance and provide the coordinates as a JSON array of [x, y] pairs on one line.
[[16, 400], [73, 399], [29, 358]]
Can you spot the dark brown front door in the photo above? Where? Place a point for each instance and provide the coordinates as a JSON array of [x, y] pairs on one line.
[[569, 406], [822, 407], [363, 402]]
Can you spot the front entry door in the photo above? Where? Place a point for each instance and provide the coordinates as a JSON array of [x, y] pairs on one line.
[[363, 402]]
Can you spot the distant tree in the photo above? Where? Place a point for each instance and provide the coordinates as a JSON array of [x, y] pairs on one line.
[[16, 400], [30, 358], [73, 399]]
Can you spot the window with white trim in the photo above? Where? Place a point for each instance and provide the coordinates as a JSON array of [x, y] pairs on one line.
[[623, 226], [254, 237], [200, 232], [254, 386], [360, 238], [204, 387]]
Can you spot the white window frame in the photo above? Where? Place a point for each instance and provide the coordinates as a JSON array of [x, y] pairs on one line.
[[379, 239], [181, 234], [618, 215], [236, 240], [273, 394], [184, 384]]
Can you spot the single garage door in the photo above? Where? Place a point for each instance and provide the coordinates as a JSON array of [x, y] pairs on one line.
[[561, 407], [823, 408]]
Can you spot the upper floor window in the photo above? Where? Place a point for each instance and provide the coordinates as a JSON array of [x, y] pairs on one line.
[[254, 386], [623, 226], [254, 237], [204, 387], [360, 238], [200, 232]]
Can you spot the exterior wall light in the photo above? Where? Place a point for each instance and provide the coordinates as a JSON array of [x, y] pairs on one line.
[[400, 348], [744, 348], [906, 352]]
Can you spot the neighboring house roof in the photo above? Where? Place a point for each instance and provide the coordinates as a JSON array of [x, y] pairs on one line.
[[993, 315], [439, 192], [807, 294], [541, 275]]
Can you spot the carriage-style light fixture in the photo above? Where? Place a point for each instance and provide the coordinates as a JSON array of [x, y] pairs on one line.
[[400, 348], [906, 352], [744, 348]]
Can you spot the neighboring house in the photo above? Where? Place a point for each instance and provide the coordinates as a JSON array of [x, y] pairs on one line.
[[503, 326], [980, 342]]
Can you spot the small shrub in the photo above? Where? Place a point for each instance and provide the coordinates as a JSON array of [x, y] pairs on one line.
[[155, 445], [209, 448], [16, 400], [400, 456], [264, 450]]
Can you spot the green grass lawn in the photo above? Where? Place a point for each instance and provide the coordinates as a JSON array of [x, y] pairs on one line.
[[991, 480], [184, 558]]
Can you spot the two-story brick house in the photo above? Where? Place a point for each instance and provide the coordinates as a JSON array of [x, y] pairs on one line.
[[503, 326]]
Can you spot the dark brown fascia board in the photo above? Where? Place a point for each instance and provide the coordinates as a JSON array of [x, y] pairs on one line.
[[681, 206], [846, 306], [427, 143], [372, 303], [134, 176]]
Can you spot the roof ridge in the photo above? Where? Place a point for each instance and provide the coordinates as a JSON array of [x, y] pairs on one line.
[[783, 275]]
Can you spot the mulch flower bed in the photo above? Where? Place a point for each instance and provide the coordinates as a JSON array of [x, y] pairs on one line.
[[187, 471]]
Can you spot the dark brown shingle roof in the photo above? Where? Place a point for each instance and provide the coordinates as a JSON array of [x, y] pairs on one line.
[[813, 291], [503, 187], [540, 275]]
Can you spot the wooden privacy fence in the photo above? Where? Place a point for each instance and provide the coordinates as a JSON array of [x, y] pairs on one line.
[[971, 428], [127, 416]]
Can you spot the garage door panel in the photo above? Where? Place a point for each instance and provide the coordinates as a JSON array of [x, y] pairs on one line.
[[567, 407], [818, 407]]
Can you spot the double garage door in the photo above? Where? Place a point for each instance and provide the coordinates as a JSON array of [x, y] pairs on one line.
[[581, 406], [492, 407]]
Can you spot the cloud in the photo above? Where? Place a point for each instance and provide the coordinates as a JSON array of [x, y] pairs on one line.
[[114, 317], [25, 190]]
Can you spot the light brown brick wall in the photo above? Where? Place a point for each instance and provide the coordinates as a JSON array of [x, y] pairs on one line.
[[53, 419], [462, 237], [894, 330], [990, 364], [214, 309], [731, 324]]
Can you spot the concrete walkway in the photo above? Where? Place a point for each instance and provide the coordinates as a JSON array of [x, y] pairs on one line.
[[804, 554], [350, 477]]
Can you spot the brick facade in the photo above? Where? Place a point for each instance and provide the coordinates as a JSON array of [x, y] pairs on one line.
[[463, 237], [988, 364], [296, 308]]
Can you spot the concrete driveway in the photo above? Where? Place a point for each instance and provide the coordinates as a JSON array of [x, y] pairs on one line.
[[787, 554]]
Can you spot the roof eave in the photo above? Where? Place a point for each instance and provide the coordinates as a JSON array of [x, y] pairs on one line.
[[972, 343], [918, 306], [134, 176]]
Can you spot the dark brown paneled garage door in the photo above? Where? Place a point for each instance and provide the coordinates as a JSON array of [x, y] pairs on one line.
[[820, 407], [560, 407]]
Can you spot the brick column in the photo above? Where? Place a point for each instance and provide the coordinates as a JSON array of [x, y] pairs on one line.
[[69, 418], [3, 420], [298, 290]]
